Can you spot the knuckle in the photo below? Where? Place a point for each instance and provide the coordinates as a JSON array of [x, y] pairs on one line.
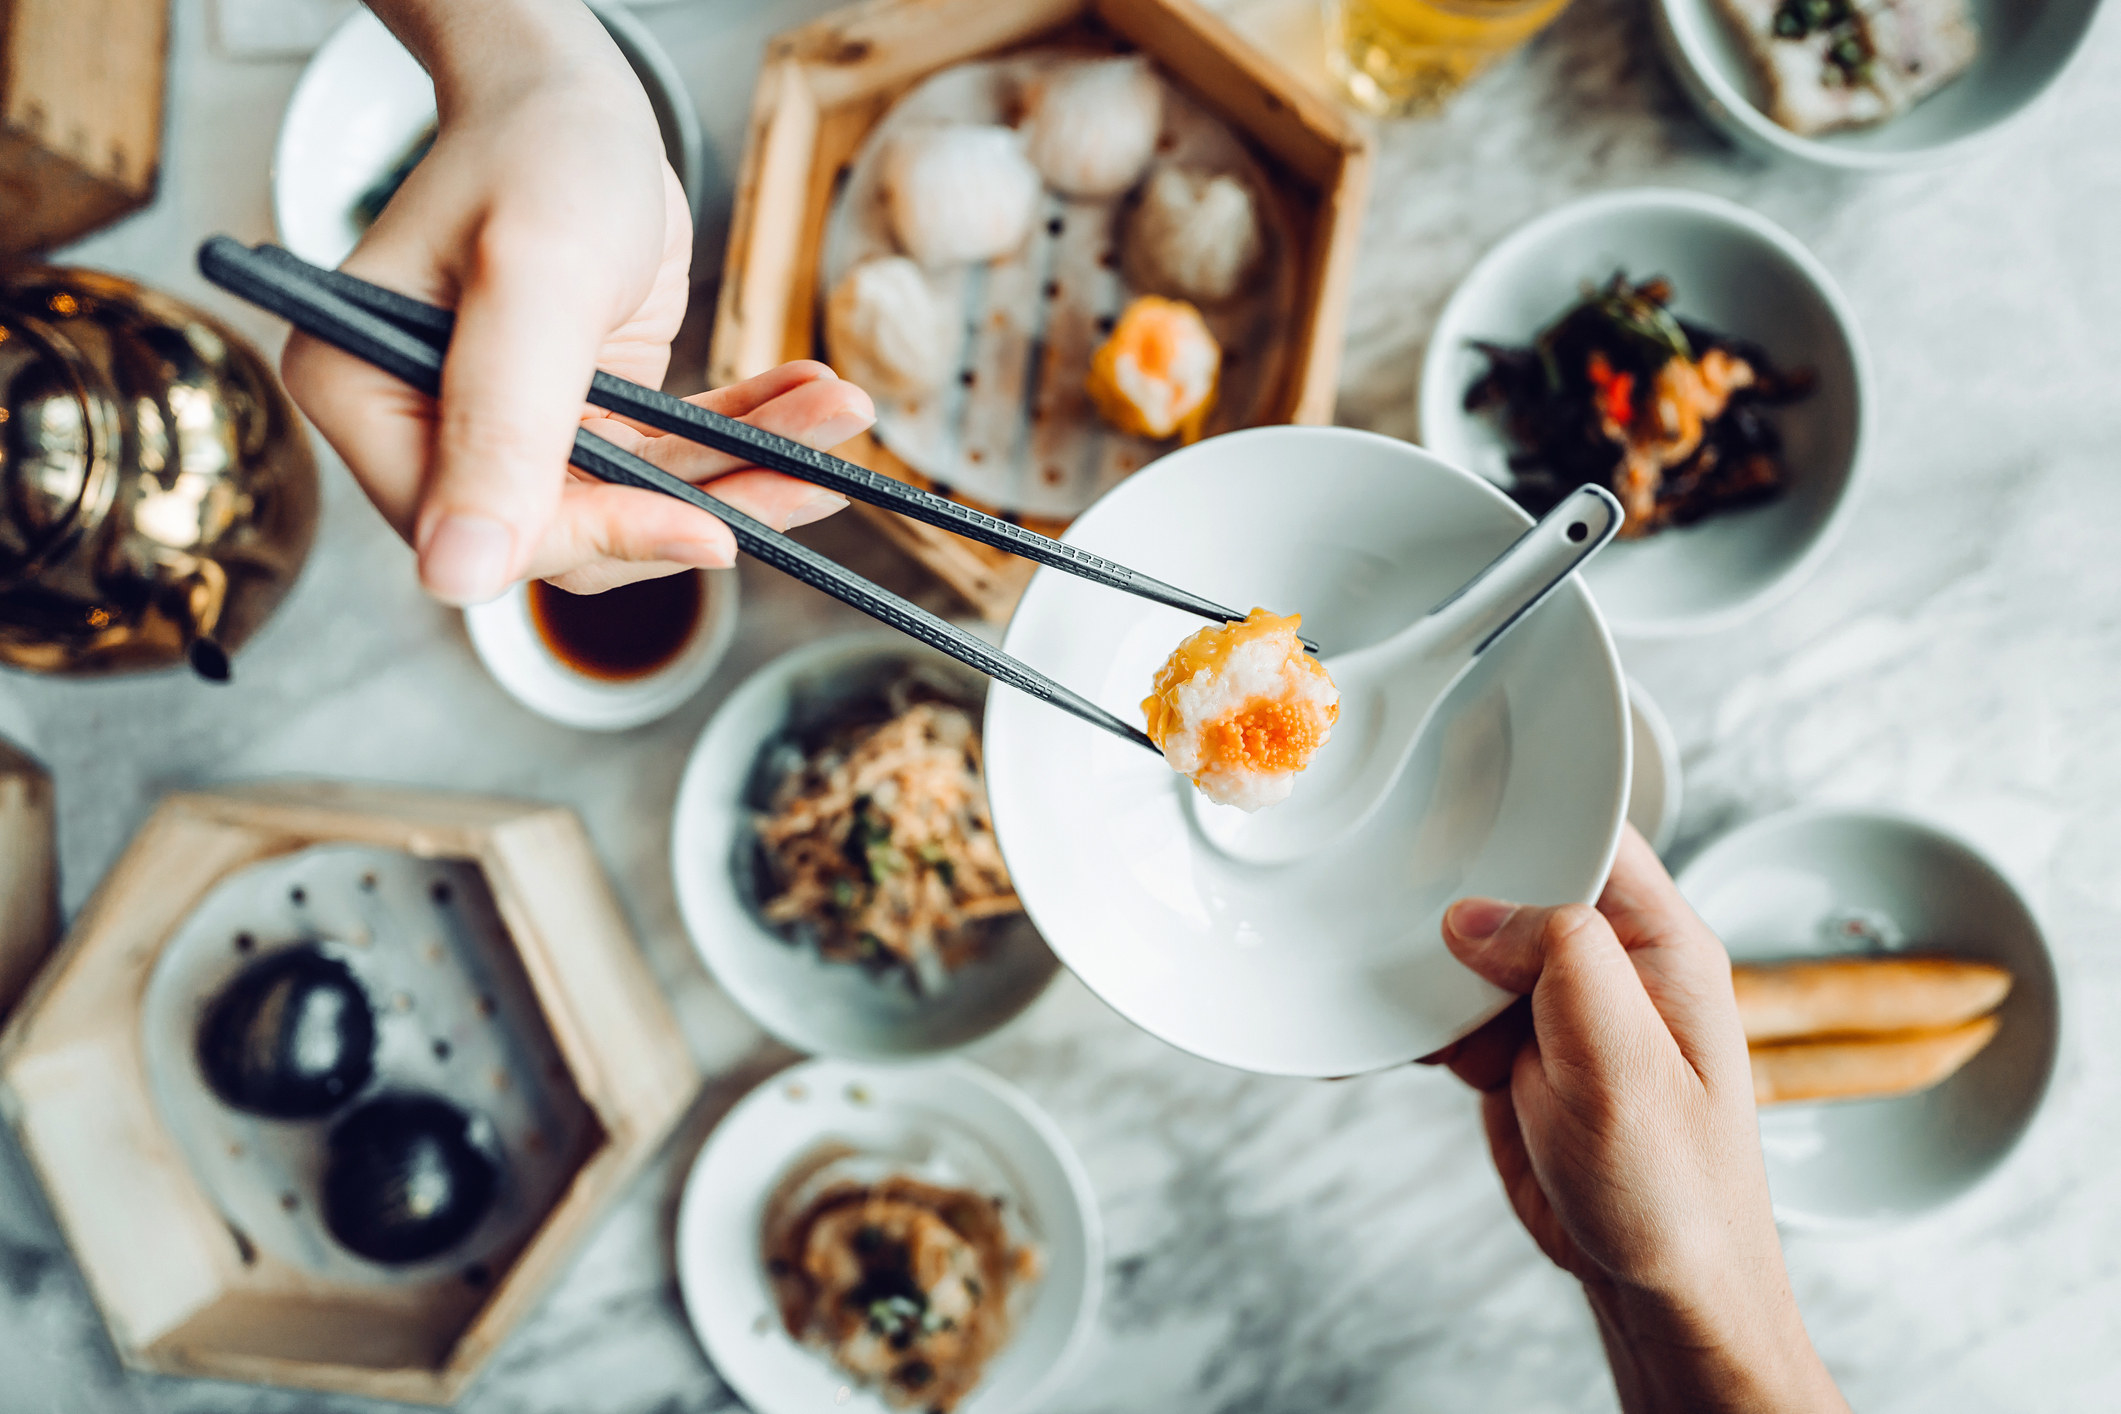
[[1571, 928]]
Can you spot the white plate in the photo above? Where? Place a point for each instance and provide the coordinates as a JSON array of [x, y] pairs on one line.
[[364, 100], [809, 1003], [1325, 966], [909, 1112], [1739, 274], [1657, 789], [1792, 885], [2025, 46], [509, 644]]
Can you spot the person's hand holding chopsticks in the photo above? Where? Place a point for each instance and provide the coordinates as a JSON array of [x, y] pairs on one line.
[[546, 215]]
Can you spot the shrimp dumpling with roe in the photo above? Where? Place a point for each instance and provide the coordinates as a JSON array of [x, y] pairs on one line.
[[1240, 708], [1157, 374]]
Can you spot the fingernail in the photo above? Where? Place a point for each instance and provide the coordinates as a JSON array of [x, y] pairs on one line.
[[1475, 920], [467, 559], [820, 505]]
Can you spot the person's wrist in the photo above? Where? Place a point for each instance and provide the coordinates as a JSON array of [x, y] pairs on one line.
[[1734, 1346], [488, 54]]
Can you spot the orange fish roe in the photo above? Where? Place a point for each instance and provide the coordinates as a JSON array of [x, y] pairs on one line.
[[1240, 709], [1264, 736], [1156, 375]]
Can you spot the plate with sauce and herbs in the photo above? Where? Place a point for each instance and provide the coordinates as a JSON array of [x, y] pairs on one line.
[[610, 661]]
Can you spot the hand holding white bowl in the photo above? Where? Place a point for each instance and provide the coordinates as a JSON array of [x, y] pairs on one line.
[[1619, 1106]]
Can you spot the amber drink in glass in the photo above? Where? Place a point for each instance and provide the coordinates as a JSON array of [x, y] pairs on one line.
[[1402, 57]]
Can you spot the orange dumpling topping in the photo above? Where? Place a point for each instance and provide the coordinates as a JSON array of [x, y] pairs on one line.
[[1157, 374], [1241, 708]]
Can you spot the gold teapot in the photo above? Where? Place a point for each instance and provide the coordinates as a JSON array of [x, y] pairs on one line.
[[157, 492]]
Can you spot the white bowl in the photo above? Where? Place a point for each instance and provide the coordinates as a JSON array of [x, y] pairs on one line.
[[2025, 46], [1657, 789], [832, 1008], [364, 100], [515, 653], [1805, 882], [1328, 965], [1739, 274], [905, 1111]]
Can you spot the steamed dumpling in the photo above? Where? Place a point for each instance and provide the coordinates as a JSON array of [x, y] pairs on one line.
[[1194, 235], [1157, 374], [886, 330], [1091, 125], [960, 192]]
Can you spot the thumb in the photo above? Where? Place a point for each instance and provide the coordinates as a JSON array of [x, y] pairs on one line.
[[512, 390], [1590, 1014]]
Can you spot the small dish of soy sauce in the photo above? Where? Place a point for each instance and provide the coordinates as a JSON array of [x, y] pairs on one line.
[[610, 661]]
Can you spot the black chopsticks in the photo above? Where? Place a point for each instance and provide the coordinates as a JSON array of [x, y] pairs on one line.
[[655, 408], [290, 288]]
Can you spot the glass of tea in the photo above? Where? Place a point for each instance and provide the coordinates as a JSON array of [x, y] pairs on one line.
[[1398, 58]]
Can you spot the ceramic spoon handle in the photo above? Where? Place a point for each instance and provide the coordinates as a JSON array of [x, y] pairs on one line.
[[1486, 607]]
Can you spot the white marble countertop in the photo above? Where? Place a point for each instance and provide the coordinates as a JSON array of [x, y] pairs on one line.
[[1283, 1247]]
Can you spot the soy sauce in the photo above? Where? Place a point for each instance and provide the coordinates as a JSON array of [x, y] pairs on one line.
[[623, 633]]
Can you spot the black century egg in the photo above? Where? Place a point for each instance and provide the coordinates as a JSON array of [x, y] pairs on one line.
[[290, 1037], [406, 1178]]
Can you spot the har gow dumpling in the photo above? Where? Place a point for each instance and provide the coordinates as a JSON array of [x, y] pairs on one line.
[[1091, 125], [1194, 235], [959, 192], [885, 329]]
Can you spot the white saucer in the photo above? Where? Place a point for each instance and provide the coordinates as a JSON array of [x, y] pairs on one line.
[[363, 101], [1791, 885], [1656, 790], [904, 1111], [509, 644], [1328, 965]]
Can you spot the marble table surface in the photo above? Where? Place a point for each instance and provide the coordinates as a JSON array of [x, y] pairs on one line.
[[1282, 1247]]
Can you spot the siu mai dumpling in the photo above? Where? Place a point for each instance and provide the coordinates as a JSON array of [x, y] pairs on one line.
[[1157, 374], [1241, 708]]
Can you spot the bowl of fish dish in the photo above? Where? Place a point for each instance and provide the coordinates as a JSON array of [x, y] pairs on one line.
[[1685, 354], [1868, 84]]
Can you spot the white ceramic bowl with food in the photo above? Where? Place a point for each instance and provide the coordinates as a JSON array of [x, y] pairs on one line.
[[1812, 881], [506, 638], [831, 1008], [918, 1113], [2025, 46], [1331, 964], [363, 102], [1732, 271]]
